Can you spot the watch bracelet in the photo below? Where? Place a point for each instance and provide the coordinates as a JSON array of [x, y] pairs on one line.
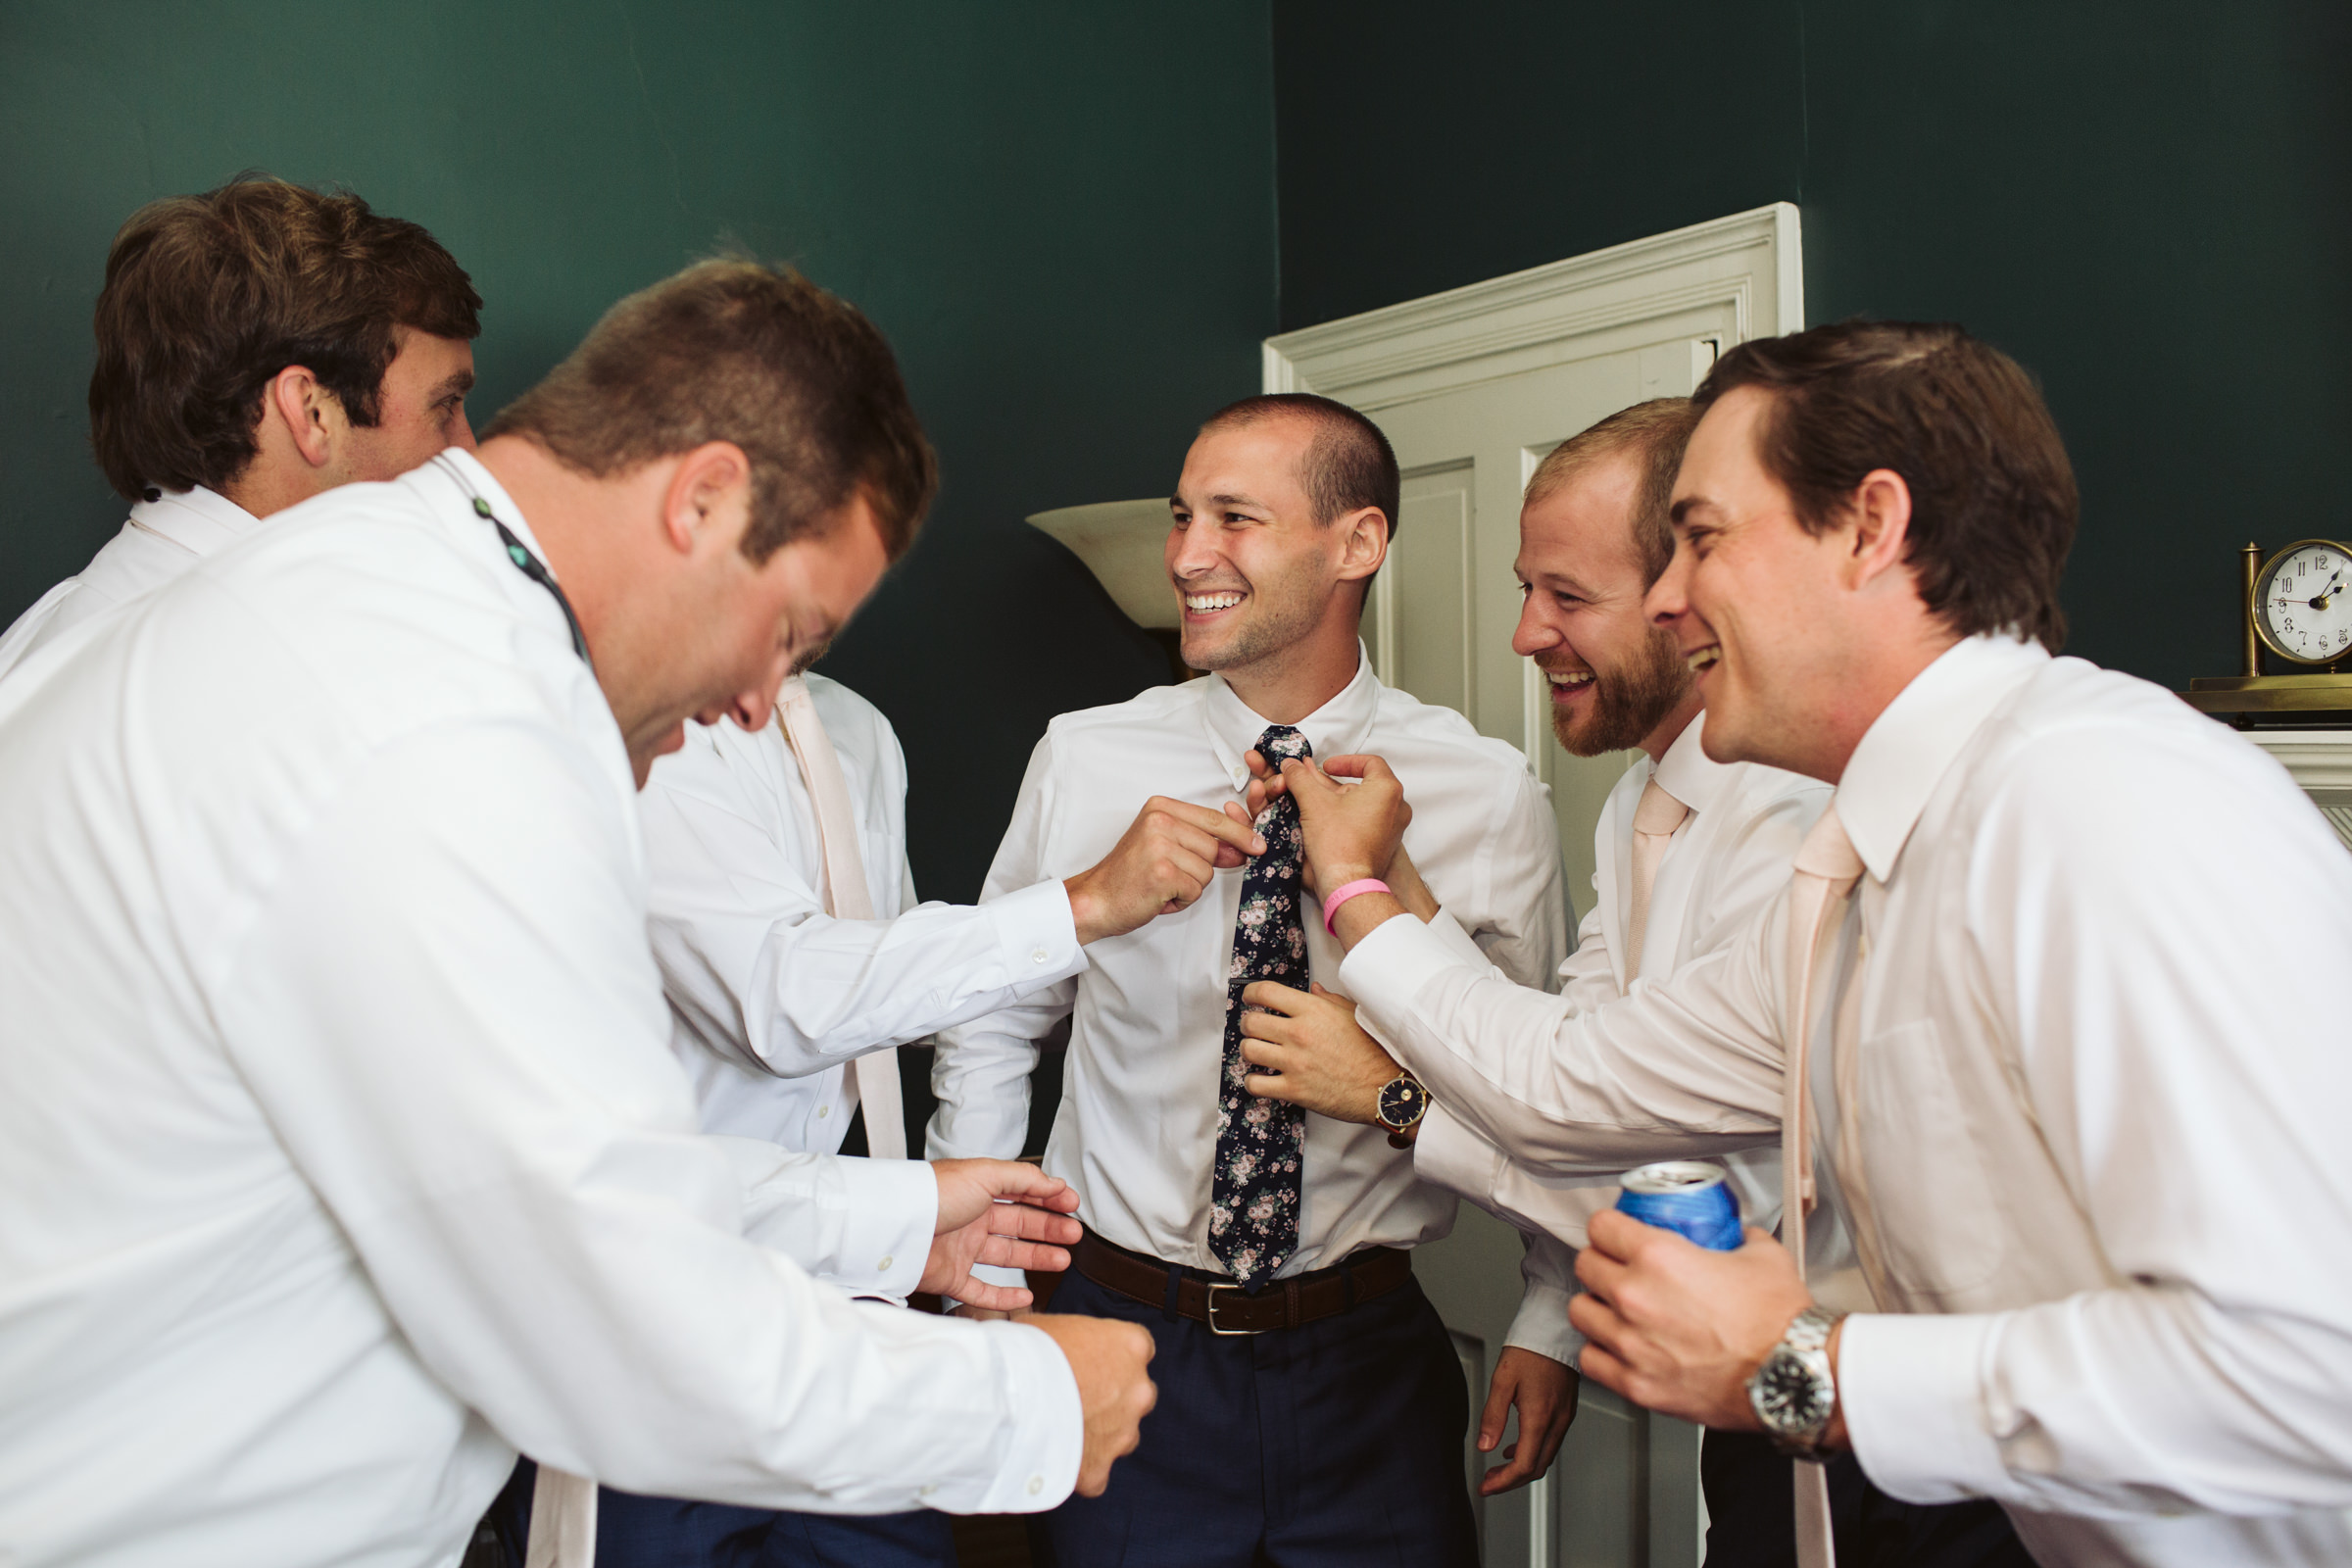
[[1808, 1334]]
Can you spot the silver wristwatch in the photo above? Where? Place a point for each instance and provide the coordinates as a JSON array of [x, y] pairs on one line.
[[1795, 1393]]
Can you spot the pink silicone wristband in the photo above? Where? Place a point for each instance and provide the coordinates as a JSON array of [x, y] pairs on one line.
[[1345, 891]]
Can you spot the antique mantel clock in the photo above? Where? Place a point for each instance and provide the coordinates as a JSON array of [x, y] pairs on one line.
[[2297, 608]]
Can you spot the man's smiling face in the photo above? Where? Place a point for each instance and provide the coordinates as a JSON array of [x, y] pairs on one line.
[[1613, 676], [1253, 571], [1752, 597]]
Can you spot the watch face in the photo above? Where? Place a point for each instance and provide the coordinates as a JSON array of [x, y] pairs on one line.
[[1792, 1396], [1401, 1102], [2303, 603]]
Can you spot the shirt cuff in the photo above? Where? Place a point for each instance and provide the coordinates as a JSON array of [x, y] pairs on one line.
[[1541, 1324], [1447, 1154], [1037, 935], [892, 1215], [1448, 931], [865, 1225], [1386, 970], [1048, 1437], [1911, 1387]]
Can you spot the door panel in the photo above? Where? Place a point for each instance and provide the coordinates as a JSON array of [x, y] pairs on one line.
[[1419, 631]]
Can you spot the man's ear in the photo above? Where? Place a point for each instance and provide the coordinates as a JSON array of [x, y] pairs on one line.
[[1366, 544], [709, 498], [313, 416], [1881, 517]]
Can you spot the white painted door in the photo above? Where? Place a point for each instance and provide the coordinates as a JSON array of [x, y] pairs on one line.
[[1474, 387]]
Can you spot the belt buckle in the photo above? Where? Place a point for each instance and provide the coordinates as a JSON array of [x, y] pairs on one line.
[[1211, 1314]]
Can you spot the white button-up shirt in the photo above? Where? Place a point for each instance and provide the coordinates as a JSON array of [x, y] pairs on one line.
[[2086, 1134], [342, 1149], [1727, 861], [163, 538], [773, 997], [1136, 1132]]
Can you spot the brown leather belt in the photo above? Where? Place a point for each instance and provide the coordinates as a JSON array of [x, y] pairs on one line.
[[1225, 1306]]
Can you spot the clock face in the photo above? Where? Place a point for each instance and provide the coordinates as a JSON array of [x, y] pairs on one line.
[[2303, 603]]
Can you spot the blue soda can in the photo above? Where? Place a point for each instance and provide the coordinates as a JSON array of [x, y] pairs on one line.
[[1686, 1196]]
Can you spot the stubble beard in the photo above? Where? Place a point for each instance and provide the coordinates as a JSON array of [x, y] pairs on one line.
[[1280, 614], [1628, 701]]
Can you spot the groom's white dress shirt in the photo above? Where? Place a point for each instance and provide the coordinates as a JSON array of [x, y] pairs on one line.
[[342, 1148], [163, 538], [772, 995], [2087, 1129], [1727, 860], [1136, 1127]]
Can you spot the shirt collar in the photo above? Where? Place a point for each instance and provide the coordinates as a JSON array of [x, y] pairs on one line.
[[198, 520], [463, 472], [1910, 746], [1339, 726], [1689, 774]]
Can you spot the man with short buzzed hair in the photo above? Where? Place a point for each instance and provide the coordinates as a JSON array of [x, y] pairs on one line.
[[1312, 1406], [258, 344]]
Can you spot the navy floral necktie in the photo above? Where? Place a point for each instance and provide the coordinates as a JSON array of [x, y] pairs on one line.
[[1254, 1193]]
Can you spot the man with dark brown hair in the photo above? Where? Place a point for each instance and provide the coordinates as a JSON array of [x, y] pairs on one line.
[[1999, 1017], [258, 344], [345, 1150]]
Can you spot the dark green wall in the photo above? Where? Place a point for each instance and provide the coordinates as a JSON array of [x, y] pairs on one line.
[[2149, 203], [1063, 215]]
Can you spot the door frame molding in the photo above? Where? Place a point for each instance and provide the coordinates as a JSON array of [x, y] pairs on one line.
[[1753, 261]]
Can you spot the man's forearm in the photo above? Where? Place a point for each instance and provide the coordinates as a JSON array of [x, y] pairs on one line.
[[1364, 914]]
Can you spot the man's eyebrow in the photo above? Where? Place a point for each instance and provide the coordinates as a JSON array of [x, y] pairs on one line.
[[1563, 583], [457, 381], [1680, 512], [1240, 501]]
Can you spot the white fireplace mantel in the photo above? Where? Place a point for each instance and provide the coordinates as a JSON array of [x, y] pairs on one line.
[[2320, 760]]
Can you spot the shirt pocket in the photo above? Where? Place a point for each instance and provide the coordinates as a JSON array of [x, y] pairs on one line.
[[1937, 1221]]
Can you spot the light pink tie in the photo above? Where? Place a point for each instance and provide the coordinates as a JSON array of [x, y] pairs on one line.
[[848, 896], [562, 1522], [1826, 869], [1655, 819]]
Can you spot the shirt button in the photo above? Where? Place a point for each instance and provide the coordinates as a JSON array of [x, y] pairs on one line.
[[925, 1492], [1241, 778], [888, 1258], [1040, 956], [824, 1110], [1037, 1484]]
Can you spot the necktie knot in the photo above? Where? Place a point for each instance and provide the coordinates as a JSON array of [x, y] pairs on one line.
[[1829, 854], [1283, 742], [1658, 811]]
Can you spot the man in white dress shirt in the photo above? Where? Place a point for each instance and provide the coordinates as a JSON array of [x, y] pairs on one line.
[[1312, 1408], [2033, 1014], [1689, 851], [343, 1150], [258, 344], [790, 989]]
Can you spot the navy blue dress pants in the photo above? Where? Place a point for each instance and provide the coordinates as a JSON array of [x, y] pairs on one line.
[[1334, 1444], [634, 1532], [1752, 1516]]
